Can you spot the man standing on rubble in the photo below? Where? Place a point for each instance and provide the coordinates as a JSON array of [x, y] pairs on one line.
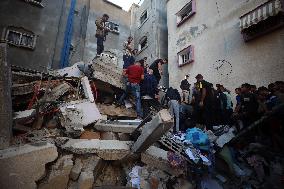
[[149, 93], [205, 101], [185, 87], [174, 100], [157, 67], [135, 74], [101, 33]]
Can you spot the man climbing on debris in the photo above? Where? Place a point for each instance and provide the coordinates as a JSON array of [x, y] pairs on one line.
[[135, 74], [149, 93], [157, 67], [101, 33], [174, 99]]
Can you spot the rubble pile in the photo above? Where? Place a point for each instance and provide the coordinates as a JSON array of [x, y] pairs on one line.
[[67, 133]]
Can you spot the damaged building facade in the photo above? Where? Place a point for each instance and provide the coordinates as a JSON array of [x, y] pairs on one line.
[[228, 42], [149, 28], [40, 41]]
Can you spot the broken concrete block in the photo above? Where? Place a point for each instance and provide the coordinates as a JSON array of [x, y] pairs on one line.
[[72, 71], [111, 110], [90, 135], [123, 137], [86, 180], [17, 116], [21, 128], [106, 71], [153, 131], [76, 170], [93, 164], [21, 167], [115, 126], [59, 175], [87, 89], [157, 157], [108, 136], [78, 114], [58, 91], [106, 149]]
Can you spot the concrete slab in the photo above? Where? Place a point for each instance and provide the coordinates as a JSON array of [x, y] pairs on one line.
[[106, 71], [78, 114], [23, 114], [157, 157], [21, 167], [115, 126], [87, 89], [72, 71], [153, 131], [111, 110], [105, 149], [59, 175]]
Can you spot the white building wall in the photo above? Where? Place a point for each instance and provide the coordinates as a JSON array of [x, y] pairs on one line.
[[214, 32]]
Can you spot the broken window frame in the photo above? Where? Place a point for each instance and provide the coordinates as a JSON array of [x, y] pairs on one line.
[[143, 40], [186, 12], [19, 42], [111, 26], [37, 3], [185, 56], [143, 20]]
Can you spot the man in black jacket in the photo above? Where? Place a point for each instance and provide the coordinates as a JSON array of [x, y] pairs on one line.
[[185, 87], [174, 99]]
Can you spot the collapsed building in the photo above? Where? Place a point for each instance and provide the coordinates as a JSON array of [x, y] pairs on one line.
[[67, 133]]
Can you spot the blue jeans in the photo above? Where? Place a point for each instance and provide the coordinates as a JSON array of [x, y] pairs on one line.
[[100, 45], [135, 90]]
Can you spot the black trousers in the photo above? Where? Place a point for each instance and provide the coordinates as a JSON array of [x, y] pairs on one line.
[[100, 45]]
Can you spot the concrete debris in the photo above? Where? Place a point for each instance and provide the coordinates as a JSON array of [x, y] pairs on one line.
[[59, 175], [90, 135], [58, 91], [153, 131], [76, 170], [21, 167], [106, 149], [107, 72], [72, 71], [109, 136], [18, 116], [87, 89], [86, 180], [157, 157], [116, 126], [113, 111], [78, 114], [23, 88]]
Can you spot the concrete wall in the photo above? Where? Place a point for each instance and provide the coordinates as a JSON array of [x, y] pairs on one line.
[[114, 42], [48, 24], [214, 32], [155, 28]]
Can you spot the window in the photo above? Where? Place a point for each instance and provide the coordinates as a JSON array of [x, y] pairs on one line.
[[186, 12], [143, 43], [143, 17], [20, 37], [35, 2], [113, 27], [186, 56]]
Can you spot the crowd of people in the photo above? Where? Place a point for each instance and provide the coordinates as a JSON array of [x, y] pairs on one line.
[[203, 104]]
